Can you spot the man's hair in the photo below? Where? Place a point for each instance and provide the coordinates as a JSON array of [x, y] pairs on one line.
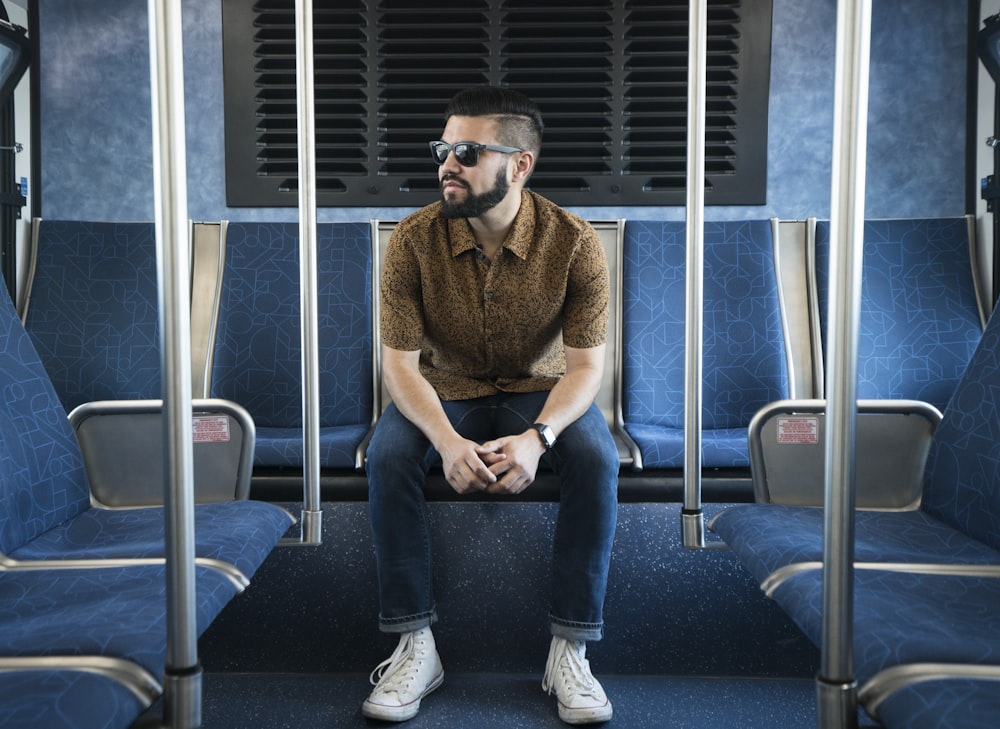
[[519, 121]]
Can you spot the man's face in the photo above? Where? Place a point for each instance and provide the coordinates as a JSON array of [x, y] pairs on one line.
[[468, 192]]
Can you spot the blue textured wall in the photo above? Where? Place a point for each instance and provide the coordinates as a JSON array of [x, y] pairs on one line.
[[96, 134]]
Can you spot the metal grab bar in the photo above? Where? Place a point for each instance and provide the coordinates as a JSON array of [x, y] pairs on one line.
[[836, 686], [305, 98], [182, 674], [692, 519]]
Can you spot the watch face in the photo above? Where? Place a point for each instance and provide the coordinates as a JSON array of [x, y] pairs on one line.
[[548, 437]]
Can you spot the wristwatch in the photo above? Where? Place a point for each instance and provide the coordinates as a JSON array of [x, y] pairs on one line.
[[546, 434]]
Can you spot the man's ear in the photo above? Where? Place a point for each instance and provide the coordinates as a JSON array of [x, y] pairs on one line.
[[524, 163]]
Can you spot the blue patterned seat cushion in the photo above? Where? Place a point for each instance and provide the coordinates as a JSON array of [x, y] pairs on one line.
[[902, 618], [65, 699], [919, 321], [664, 447], [42, 477], [241, 533], [283, 446], [962, 474], [744, 364], [767, 537], [118, 612], [93, 311], [948, 703], [257, 359]]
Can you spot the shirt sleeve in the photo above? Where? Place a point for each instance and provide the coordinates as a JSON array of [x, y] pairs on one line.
[[585, 317], [401, 321]]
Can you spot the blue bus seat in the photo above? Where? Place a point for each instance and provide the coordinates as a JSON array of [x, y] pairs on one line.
[[744, 361], [92, 313], [79, 582], [926, 589], [45, 507], [950, 702], [78, 616], [92, 309], [920, 316], [958, 519], [918, 288], [773, 540], [65, 698], [904, 621], [228, 538], [257, 356]]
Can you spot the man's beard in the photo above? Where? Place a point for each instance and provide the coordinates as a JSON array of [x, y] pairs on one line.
[[475, 205]]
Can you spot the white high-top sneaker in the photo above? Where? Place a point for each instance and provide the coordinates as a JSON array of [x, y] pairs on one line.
[[404, 678], [567, 674]]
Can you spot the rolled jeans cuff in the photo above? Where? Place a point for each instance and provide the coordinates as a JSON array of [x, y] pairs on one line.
[[575, 631], [408, 623]]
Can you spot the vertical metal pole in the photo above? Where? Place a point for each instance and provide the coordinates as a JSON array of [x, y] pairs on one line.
[[836, 687], [994, 205], [306, 112], [182, 679], [692, 521]]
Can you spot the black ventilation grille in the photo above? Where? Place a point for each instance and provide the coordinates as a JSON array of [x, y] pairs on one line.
[[610, 78]]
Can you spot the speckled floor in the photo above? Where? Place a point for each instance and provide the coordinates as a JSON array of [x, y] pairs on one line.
[[689, 638], [510, 701]]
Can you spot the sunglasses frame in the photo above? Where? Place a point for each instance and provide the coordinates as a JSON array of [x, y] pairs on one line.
[[476, 148]]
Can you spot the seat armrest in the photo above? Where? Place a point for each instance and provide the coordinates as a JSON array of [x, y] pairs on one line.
[[787, 438], [122, 446]]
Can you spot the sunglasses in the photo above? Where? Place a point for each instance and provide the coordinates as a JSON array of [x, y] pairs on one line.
[[467, 153]]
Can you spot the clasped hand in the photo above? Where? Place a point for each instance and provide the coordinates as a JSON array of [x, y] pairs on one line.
[[501, 466]]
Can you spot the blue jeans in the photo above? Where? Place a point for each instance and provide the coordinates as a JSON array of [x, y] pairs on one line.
[[584, 458]]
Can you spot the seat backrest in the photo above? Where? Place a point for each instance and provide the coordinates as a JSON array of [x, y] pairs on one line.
[[962, 478], [42, 477], [92, 309], [744, 362], [257, 358], [920, 317]]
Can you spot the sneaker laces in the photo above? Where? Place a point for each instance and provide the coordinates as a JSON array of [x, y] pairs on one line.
[[396, 672], [568, 664]]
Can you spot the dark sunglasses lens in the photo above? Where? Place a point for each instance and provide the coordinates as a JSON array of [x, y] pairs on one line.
[[466, 154], [439, 151]]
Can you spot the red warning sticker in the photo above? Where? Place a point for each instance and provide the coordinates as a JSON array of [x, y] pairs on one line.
[[798, 430], [211, 429]]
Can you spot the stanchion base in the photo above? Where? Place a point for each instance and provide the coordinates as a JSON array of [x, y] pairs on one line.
[[182, 698], [311, 534], [836, 704], [693, 529]]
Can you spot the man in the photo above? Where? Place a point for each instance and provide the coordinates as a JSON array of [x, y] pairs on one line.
[[493, 326]]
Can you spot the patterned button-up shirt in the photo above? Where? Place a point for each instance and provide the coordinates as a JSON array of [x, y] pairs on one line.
[[484, 327]]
